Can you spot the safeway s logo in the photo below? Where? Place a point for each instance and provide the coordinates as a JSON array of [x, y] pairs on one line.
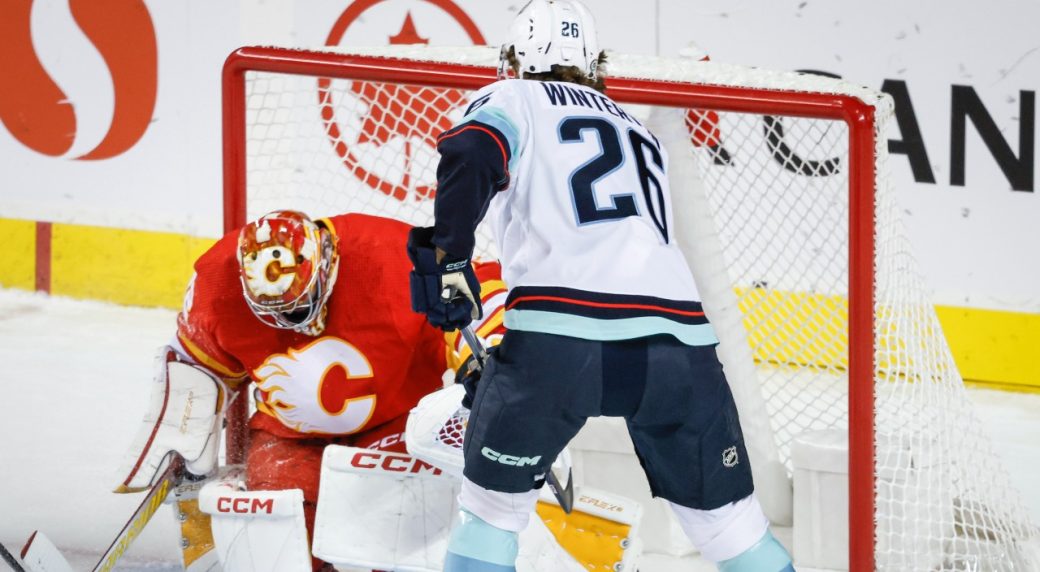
[[39, 113], [409, 117]]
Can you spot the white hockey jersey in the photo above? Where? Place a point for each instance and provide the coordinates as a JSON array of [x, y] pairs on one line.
[[582, 213]]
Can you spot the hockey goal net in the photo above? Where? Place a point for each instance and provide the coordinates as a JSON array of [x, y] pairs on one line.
[[783, 204]]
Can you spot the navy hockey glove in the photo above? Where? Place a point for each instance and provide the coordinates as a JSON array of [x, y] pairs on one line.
[[448, 292]]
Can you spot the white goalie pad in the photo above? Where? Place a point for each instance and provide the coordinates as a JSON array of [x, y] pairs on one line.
[[435, 428], [184, 415], [256, 531], [382, 510]]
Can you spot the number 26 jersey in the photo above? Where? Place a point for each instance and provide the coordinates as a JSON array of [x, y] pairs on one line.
[[581, 212]]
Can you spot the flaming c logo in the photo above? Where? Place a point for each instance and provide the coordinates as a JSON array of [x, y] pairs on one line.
[[322, 387], [35, 109], [406, 112]]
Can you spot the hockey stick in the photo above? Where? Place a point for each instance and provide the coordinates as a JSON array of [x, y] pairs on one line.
[[564, 495], [10, 559], [40, 554]]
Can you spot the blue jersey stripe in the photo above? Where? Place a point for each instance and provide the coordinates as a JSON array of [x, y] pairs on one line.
[[608, 329]]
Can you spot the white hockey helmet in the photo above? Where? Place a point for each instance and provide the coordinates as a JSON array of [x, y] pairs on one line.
[[552, 32]]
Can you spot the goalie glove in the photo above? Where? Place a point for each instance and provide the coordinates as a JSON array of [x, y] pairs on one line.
[[447, 291], [185, 415]]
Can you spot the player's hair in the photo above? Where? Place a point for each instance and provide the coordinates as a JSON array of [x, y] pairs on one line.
[[569, 74]]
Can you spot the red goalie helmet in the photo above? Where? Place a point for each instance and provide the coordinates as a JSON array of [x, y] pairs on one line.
[[288, 265]]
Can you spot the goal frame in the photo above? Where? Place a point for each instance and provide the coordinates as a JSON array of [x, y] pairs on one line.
[[856, 114]]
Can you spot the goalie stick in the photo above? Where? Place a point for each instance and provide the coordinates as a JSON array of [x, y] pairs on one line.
[[40, 554], [564, 494]]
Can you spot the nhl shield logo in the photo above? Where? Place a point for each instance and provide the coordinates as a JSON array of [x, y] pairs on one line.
[[730, 458]]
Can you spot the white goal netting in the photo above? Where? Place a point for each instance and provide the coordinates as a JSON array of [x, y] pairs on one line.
[[766, 200]]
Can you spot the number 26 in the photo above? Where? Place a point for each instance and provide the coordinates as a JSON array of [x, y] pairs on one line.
[[610, 158], [570, 30]]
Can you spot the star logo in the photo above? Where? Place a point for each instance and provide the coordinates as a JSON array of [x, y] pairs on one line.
[[394, 115]]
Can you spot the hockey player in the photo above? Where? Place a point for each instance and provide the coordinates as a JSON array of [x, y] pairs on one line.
[[317, 315], [603, 316]]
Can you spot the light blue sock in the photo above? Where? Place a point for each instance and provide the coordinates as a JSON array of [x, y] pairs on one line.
[[476, 546], [766, 555]]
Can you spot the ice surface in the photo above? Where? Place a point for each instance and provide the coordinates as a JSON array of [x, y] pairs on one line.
[[73, 391]]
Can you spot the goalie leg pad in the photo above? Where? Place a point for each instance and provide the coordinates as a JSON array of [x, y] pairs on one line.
[[185, 415], [261, 531], [275, 464], [383, 510]]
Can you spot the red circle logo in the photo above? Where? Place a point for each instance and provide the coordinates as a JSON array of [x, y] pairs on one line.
[[411, 113]]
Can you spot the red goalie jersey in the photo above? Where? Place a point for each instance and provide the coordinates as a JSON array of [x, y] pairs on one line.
[[370, 365]]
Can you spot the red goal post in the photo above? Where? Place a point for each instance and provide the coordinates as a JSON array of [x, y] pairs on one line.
[[723, 89]]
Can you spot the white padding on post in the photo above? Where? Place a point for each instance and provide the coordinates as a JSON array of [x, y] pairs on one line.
[[919, 509], [258, 531], [820, 460], [381, 510]]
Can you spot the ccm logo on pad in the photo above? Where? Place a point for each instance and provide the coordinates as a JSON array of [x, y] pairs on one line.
[[391, 463], [243, 505]]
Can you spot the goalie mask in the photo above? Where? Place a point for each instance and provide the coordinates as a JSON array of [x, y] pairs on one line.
[[552, 32], [288, 265]]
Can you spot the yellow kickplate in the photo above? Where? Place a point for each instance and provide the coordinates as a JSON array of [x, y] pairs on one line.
[[196, 535], [596, 543]]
